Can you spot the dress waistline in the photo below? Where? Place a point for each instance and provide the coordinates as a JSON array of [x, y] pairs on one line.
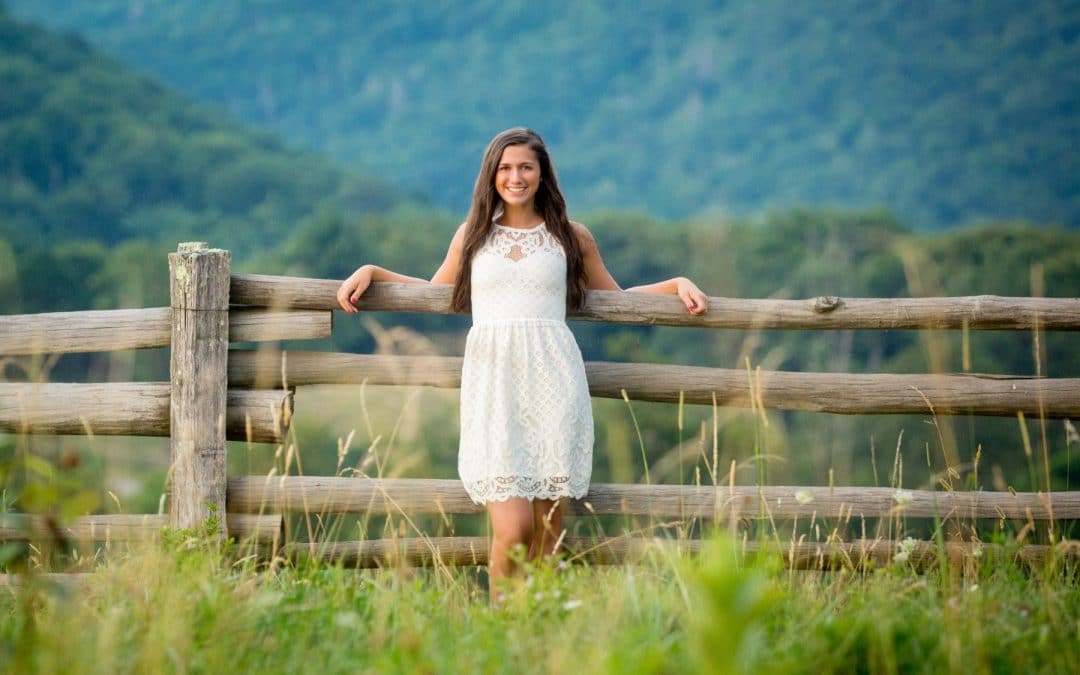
[[523, 321]]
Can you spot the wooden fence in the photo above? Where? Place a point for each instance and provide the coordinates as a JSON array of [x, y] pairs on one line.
[[215, 394]]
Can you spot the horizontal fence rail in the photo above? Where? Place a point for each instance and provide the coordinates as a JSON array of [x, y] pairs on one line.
[[252, 494], [842, 393], [469, 551], [212, 308], [71, 580], [980, 312], [262, 528], [117, 329], [132, 409]]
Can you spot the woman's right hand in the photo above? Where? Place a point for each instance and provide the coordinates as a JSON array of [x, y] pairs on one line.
[[352, 288]]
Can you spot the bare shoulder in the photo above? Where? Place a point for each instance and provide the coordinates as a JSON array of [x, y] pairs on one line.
[[448, 271], [584, 236], [458, 240]]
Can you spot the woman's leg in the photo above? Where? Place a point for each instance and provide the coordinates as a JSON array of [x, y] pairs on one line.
[[511, 524], [547, 517]]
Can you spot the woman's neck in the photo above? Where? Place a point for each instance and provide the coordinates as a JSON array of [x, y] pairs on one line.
[[519, 217]]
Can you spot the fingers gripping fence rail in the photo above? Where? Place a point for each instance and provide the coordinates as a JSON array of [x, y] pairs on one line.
[[215, 394]]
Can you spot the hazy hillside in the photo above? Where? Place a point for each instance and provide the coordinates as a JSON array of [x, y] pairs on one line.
[[943, 112], [102, 170], [91, 150]]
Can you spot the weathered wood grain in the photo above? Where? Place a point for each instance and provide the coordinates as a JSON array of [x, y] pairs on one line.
[[412, 495], [473, 551], [117, 329], [91, 331], [253, 324], [132, 409], [842, 393], [264, 368], [199, 296], [981, 312], [263, 528]]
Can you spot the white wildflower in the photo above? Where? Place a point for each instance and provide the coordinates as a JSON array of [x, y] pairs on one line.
[[902, 497], [906, 548], [347, 619], [571, 604], [267, 599], [804, 497], [1071, 436]]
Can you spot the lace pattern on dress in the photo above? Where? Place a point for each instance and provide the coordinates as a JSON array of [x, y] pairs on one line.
[[501, 488], [526, 415], [516, 243]]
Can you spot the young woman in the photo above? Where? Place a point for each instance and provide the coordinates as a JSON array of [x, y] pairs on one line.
[[517, 263]]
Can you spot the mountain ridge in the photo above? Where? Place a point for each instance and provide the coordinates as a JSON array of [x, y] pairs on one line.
[[89, 149], [945, 114]]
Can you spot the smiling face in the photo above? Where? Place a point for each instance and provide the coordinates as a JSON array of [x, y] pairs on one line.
[[517, 177]]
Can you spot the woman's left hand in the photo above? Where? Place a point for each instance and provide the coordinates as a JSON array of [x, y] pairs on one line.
[[696, 302]]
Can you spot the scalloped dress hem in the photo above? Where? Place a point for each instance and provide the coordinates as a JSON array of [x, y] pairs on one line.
[[481, 494]]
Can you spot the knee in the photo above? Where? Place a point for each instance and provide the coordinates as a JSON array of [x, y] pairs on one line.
[[514, 531]]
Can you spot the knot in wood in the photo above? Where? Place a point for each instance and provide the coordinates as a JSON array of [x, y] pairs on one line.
[[826, 303]]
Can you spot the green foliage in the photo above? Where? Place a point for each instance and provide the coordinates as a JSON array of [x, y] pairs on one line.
[[56, 492], [81, 275], [730, 604], [91, 151], [187, 608], [946, 113], [102, 171]]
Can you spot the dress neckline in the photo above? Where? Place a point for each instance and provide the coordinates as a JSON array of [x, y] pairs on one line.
[[518, 229]]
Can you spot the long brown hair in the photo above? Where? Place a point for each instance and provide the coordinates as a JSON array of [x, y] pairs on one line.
[[549, 204]]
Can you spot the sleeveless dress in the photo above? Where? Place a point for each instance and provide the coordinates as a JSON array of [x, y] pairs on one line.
[[526, 415]]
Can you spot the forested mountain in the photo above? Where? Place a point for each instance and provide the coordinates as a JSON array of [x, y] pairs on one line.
[[943, 112], [102, 171], [93, 155], [90, 150]]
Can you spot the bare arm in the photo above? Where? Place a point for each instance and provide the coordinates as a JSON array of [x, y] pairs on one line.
[[660, 287], [352, 288], [448, 270], [601, 280]]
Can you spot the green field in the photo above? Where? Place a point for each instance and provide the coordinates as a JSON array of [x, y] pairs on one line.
[[183, 607], [765, 150]]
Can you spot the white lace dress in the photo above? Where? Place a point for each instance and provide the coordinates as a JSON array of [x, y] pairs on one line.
[[526, 416]]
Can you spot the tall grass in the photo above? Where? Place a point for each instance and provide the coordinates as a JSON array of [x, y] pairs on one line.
[[185, 605]]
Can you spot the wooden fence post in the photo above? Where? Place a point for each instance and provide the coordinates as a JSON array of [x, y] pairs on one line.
[[199, 291]]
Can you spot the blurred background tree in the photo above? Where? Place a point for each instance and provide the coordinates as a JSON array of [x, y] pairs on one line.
[[764, 151]]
